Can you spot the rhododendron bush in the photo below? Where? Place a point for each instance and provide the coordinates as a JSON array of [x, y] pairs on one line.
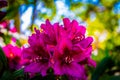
[[54, 52]]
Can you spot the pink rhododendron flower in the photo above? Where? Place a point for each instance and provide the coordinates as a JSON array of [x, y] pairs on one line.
[[4, 24], [37, 54], [75, 31], [13, 39], [13, 30], [48, 33], [13, 54], [85, 46], [66, 61]]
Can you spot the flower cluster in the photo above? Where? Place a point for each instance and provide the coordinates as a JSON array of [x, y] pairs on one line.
[[14, 56], [64, 48]]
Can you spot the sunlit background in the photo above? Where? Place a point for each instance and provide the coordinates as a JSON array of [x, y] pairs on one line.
[[100, 17]]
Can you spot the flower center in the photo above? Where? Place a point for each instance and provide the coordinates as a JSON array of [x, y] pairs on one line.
[[39, 59], [79, 38], [11, 55], [36, 59], [68, 59]]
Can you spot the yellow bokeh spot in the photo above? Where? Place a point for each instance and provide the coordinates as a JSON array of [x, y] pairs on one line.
[[23, 41]]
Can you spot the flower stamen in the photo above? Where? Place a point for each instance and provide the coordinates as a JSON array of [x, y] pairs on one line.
[[68, 59], [79, 38], [36, 59]]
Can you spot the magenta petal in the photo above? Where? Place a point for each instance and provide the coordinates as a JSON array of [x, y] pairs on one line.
[[37, 68], [48, 34], [82, 30], [66, 22], [48, 23], [37, 31], [91, 62], [43, 26], [75, 70], [28, 53], [78, 48], [84, 55], [65, 44], [74, 24], [86, 42], [57, 31], [35, 39], [57, 69], [77, 29]]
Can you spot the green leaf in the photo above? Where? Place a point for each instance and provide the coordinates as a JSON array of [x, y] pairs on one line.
[[3, 58], [18, 73], [105, 64], [105, 77], [1, 68], [7, 39], [115, 78], [37, 77], [64, 77], [7, 75]]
